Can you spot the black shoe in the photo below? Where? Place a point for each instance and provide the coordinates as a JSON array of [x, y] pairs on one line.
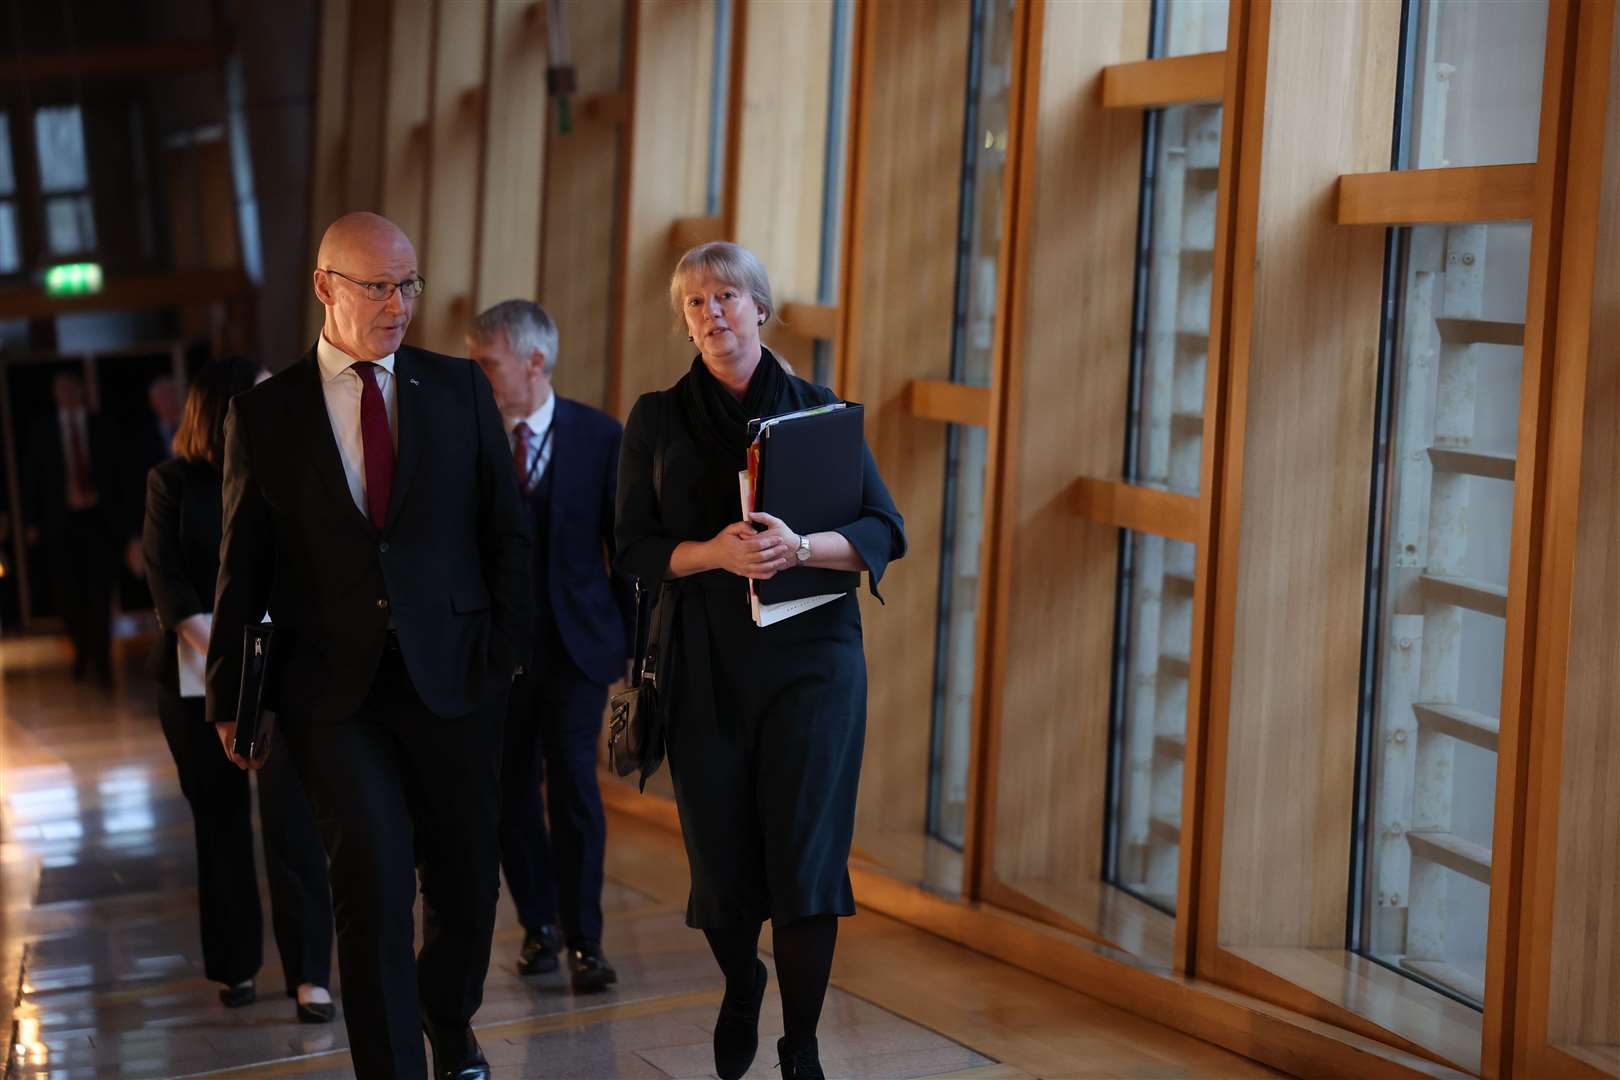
[[592, 972], [736, 1032], [801, 1064], [316, 1012], [456, 1054], [234, 997], [539, 953]]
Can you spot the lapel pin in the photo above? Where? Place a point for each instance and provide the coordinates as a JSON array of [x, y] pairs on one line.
[[415, 383]]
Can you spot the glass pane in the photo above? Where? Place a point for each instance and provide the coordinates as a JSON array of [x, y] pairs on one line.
[[10, 253], [971, 362], [832, 184], [8, 178], [1150, 716], [70, 228], [59, 139], [1440, 575], [1475, 82], [719, 96], [1190, 26], [1177, 267]]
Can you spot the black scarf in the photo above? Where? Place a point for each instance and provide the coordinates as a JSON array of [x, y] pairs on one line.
[[718, 421]]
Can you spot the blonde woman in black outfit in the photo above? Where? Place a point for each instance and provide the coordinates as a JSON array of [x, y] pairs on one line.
[[181, 545], [766, 724]]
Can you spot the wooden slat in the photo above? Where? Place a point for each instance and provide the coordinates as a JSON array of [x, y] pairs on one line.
[[1171, 80], [1493, 465], [1166, 831], [817, 321], [689, 232], [115, 61], [1172, 747], [509, 237], [1485, 597], [1465, 725], [1452, 852], [1480, 331], [1454, 979], [1174, 666], [949, 402], [1128, 506], [186, 288], [612, 108], [330, 164], [1425, 196]]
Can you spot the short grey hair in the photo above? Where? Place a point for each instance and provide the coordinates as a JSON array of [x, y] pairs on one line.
[[723, 261], [527, 327]]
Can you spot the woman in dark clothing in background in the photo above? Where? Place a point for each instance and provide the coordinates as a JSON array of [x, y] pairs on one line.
[[766, 725], [181, 544]]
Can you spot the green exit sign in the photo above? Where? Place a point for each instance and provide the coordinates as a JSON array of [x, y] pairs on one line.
[[73, 279]]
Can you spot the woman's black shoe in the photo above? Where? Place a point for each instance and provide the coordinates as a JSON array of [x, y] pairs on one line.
[[736, 1033], [801, 1064], [234, 997]]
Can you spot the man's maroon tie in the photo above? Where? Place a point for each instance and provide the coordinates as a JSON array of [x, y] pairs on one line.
[[520, 458], [377, 442]]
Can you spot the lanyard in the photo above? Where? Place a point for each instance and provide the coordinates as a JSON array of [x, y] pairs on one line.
[[530, 477]]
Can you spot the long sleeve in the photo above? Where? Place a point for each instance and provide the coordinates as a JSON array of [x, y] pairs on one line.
[[246, 563], [504, 533], [173, 594], [624, 593], [879, 534], [642, 549]]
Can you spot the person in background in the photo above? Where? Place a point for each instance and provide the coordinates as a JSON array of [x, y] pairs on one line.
[[180, 543], [766, 725], [70, 503], [152, 442], [371, 507], [567, 460]]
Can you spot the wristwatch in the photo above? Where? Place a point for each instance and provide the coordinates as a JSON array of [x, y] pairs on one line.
[[804, 548]]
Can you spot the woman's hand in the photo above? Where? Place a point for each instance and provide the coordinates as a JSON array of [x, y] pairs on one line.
[[778, 530], [738, 549]]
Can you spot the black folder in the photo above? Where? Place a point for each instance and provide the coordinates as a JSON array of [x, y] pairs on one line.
[[811, 476], [256, 701]]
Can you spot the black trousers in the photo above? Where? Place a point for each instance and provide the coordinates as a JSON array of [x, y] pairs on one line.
[[227, 883], [399, 792], [551, 739], [80, 560]]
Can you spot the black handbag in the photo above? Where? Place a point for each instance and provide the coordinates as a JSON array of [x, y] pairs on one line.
[[636, 719]]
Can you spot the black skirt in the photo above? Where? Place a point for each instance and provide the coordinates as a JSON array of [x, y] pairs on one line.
[[766, 759]]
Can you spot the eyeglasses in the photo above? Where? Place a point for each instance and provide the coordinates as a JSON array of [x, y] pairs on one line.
[[379, 291]]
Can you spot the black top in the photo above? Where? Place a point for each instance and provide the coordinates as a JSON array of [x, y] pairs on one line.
[[181, 543], [449, 570]]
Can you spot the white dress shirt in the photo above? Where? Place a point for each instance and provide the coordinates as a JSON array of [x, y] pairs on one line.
[[539, 423], [341, 384], [70, 423]]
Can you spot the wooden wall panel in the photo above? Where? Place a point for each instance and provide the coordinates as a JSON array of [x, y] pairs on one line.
[[579, 238], [899, 298], [407, 141], [1304, 354], [367, 63], [1066, 418], [449, 250], [328, 185], [514, 155], [1582, 927], [668, 178]]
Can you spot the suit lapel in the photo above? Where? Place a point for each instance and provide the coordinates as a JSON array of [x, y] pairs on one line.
[[562, 442], [326, 459], [408, 414]]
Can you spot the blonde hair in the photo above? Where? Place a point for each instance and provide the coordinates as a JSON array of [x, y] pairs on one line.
[[724, 261]]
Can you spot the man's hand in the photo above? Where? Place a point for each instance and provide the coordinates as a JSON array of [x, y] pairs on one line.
[[135, 558], [227, 739]]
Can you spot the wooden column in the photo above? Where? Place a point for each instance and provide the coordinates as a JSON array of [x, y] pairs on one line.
[[407, 136], [514, 155]]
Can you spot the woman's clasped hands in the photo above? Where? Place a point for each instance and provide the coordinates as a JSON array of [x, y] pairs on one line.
[[740, 549]]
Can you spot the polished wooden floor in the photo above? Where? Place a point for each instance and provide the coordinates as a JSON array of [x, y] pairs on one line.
[[99, 947]]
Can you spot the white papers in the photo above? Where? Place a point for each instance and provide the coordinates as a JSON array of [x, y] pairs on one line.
[[193, 666]]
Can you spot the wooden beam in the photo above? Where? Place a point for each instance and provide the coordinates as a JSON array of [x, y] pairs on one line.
[[113, 61], [1426, 196], [1171, 80], [1140, 509], [816, 321], [949, 402], [188, 288], [688, 232]]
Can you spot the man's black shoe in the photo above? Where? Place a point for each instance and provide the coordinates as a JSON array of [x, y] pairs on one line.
[[235, 997], [736, 1032], [456, 1054], [802, 1063], [539, 953], [591, 970]]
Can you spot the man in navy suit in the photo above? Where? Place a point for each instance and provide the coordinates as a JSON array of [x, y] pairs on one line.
[[567, 460]]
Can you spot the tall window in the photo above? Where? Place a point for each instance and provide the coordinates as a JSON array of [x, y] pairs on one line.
[[1438, 565], [1164, 451], [10, 246], [832, 176], [64, 181]]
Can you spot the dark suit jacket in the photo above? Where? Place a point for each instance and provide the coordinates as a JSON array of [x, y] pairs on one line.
[[450, 567], [181, 542], [45, 473], [594, 609]]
